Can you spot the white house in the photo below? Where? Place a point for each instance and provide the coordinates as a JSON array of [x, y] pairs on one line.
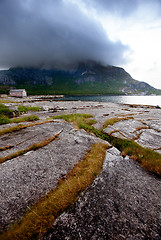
[[18, 93]]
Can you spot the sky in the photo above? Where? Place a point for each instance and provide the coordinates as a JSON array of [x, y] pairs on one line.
[[62, 33]]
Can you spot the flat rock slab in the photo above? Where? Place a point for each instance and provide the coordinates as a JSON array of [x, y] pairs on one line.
[[27, 178], [124, 202], [150, 139], [155, 124], [133, 128], [26, 137], [128, 127]]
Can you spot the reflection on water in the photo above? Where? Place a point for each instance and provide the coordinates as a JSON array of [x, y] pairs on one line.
[[144, 100]]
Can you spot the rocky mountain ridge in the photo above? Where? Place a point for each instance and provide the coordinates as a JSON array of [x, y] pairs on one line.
[[86, 78]]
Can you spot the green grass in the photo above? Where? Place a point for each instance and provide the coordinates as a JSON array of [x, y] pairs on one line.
[[25, 119], [41, 216], [6, 120], [73, 117], [5, 110], [5, 114], [7, 101], [24, 109], [77, 118]]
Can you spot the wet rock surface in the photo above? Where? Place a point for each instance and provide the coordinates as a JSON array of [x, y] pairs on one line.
[[124, 202]]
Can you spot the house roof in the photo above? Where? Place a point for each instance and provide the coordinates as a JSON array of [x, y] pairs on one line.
[[17, 90]]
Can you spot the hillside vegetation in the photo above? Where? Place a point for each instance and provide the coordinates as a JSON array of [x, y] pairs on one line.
[[86, 78]]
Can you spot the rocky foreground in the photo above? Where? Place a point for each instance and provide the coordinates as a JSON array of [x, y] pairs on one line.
[[124, 201]]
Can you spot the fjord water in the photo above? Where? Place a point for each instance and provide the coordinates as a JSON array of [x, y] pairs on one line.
[[143, 100]]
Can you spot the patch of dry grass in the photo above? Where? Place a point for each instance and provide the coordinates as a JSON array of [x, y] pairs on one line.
[[125, 115], [42, 216], [6, 147]]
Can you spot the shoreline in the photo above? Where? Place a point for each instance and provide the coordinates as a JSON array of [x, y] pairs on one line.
[[122, 99]]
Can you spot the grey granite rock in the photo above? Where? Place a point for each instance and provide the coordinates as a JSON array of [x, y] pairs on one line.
[[124, 202], [27, 178]]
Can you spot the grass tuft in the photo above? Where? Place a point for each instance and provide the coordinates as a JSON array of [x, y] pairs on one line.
[[25, 109], [41, 217], [5, 110], [6, 147], [4, 120], [25, 119], [5, 114], [77, 119]]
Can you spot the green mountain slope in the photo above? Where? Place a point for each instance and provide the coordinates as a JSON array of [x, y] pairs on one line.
[[87, 78]]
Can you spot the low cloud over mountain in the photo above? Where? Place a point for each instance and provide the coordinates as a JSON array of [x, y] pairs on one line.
[[53, 34]]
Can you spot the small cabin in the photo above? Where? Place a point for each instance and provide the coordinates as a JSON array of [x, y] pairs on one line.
[[18, 93]]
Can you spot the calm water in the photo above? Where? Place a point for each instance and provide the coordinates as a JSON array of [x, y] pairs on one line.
[[144, 100]]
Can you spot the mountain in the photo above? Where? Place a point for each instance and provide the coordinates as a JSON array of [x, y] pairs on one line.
[[86, 78]]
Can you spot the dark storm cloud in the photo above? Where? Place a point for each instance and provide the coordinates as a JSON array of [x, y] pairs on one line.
[[52, 33]]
